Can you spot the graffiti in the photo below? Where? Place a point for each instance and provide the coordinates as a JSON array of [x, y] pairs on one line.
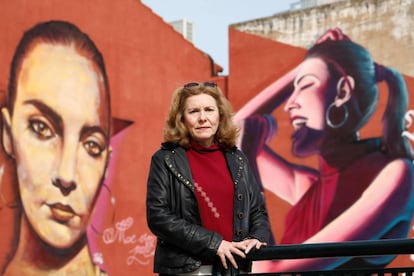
[[145, 250], [56, 204], [144, 247], [118, 233]]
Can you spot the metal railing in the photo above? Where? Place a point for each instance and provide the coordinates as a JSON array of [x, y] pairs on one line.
[[337, 249]]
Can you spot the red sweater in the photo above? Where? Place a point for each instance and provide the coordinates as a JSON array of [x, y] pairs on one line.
[[214, 188]]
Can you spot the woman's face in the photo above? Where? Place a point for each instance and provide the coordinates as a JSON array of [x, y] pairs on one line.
[[59, 139], [307, 104], [201, 117]]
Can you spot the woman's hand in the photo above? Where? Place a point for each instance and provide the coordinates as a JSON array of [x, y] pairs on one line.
[[248, 244], [227, 249], [257, 131], [332, 34]]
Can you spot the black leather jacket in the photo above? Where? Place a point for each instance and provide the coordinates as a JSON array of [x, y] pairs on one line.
[[173, 215]]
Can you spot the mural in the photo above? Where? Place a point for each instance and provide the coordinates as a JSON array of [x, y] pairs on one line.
[[56, 128], [362, 188], [78, 133]]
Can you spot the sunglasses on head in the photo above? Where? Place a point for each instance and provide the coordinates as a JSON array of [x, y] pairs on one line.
[[207, 83]]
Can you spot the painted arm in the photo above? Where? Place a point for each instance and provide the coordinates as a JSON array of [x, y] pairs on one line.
[[268, 99], [257, 127], [384, 210], [285, 180]]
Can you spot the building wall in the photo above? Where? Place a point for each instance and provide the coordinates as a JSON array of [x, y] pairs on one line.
[[384, 27], [146, 61], [184, 27], [256, 63]]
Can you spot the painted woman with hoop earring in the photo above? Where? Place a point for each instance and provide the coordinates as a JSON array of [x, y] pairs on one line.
[[363, 189]]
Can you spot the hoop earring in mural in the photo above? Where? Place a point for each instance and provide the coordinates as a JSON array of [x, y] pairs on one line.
[[328, 120], [112, 200]]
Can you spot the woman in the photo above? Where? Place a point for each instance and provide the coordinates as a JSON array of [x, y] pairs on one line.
[[363, 188], [56, 128], [202, 200]]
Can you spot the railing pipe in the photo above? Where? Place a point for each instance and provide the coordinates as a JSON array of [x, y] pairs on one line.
[[334, 249]]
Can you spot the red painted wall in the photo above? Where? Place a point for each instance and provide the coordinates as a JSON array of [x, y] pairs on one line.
[[146, 60]]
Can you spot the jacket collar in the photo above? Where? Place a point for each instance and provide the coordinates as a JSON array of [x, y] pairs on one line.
[[235, 163], [178, 155], [177, 162]]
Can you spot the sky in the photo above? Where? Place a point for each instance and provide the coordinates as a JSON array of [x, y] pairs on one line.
[[211, 18]]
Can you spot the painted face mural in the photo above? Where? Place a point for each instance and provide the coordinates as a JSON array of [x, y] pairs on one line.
[[334, 94], [59, 141], [307, 104], [56, 129]]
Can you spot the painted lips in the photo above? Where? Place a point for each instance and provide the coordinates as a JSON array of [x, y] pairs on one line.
[[298, 122], [61, 213]]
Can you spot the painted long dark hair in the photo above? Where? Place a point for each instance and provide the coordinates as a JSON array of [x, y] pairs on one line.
[[344, 57]]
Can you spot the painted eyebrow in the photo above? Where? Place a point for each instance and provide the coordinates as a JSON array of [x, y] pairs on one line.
[[57, 120], [304, 76], [51, 114], [88, 130]]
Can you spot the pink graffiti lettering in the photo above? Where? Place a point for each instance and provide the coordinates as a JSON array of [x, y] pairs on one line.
[[143, 252], [144, 246], [118, 233]]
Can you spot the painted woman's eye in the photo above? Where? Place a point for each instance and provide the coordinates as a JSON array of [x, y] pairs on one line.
[[93, 148], [305, 86], [41, 129]]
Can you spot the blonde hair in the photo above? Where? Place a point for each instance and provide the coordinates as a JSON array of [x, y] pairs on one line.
[[175, 131]]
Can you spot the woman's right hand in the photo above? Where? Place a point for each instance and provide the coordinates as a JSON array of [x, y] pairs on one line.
[[332, 34], [257, 131], [226, 251]]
